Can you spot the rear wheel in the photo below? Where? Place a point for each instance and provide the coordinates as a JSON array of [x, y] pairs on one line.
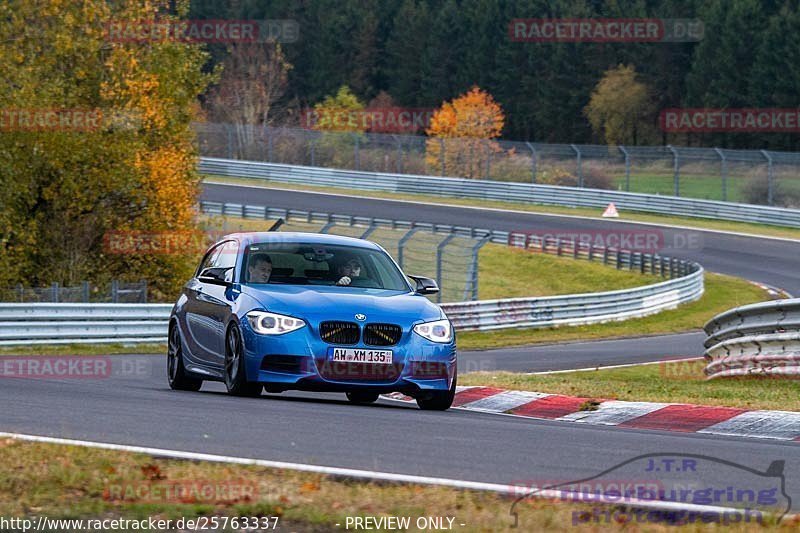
[[438, 400], [176, 372], [362, 397], [235, 374]]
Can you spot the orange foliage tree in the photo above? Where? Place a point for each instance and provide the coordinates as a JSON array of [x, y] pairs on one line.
[[460, 135]]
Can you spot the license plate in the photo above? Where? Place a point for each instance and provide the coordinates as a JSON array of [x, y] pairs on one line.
[[357, 355]]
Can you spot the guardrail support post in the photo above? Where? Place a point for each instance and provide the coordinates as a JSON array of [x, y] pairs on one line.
[[770, 176], [676, 170], [619, 259], [326, 228], [558, 246], [54, 291], [605, 255], [114, 291], [143, 291], [533, 162], [85, 287], [723, 171], [627, 168], [578, 165], [21, 291], [439, 252]]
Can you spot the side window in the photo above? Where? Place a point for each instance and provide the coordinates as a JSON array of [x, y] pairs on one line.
[[226, 258], [208, 259]]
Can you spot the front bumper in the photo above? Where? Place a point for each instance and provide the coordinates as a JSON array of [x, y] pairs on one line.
[[299, 361]]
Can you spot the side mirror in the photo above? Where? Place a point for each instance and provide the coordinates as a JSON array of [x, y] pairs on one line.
[[217, 275], [425, 285]]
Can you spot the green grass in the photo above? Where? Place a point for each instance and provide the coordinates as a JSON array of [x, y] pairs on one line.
[[59, 481], [677, 382], [722, 293], [506, 272], [690, 222], [85, 349]]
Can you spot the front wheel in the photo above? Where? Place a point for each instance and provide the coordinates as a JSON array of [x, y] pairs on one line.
[[438, 400], [362, 398], [176, 372], [235, 374]]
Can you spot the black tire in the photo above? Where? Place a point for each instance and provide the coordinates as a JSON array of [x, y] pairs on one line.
[[438, 400], [235, 372], [362, 398], [177, 376]]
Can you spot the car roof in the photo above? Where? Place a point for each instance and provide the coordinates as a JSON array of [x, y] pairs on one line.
[[250, 237]]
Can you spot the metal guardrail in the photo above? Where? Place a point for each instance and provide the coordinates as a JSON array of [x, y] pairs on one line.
[[748, 176], [756, 339], [26, 324], [501, 191], [68, 323]]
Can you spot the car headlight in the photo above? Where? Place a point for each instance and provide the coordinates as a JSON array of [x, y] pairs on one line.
[[436, 331], [272, 323]]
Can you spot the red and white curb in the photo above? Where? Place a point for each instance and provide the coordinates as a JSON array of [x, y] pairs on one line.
[[684, 418]]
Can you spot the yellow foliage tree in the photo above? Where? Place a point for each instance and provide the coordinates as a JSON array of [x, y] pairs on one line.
[[620, 106], [63, 189], [461, 133]]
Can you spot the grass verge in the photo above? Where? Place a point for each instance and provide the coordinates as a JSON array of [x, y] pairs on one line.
[[630, 216], [672, 382], [72, 482], [722, 293]]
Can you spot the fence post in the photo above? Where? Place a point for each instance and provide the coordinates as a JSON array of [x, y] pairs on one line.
[[533, 162], [676, 170], [54, 291], [372, 227], [441, 153], [770, 190], [21, 291], [143, 291], [723, 170], [313, 152], [401, 245], [627, 168], [472, 276], [439, 252], [269, 146], [578, 165], [399, 154], [229, 134], [85, 287], [356, 153]]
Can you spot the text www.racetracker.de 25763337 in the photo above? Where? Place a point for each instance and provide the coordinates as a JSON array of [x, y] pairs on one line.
[[201, 523]]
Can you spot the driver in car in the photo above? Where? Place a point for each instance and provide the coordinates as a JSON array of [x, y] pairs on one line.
[[348, 271], [260, 268]]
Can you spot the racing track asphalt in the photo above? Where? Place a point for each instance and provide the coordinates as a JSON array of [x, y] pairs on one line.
[[770, 261], [134, 406]]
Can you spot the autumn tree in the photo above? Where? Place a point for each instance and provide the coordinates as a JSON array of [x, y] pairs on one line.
[[343, 122], [254, 76], [621, 107], [63, 188], [460, 134]]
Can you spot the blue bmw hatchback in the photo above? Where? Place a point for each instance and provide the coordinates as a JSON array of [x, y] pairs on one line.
[[277, 311]]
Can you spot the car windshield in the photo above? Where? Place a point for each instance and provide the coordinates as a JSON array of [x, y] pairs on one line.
[[289, 263]]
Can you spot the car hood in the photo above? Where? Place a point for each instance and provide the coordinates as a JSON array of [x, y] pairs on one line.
[[317, 303]]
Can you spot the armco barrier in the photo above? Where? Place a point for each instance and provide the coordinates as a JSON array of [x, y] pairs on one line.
[[25, 324], [501, 191], [757, 339]]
